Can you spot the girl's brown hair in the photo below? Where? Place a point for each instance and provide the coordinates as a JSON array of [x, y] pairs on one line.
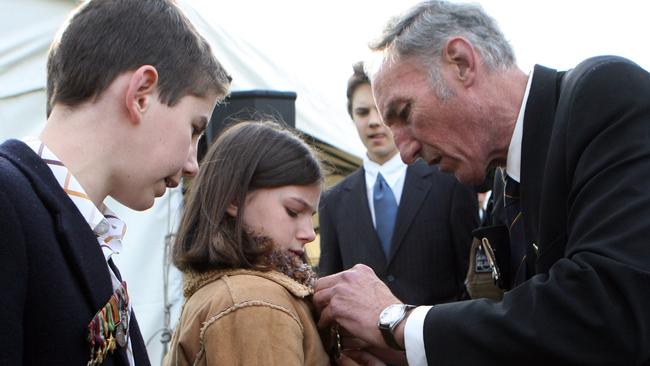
[[245, 157]]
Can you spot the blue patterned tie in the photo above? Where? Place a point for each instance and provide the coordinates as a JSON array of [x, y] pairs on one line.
[[385, 212], [516, 230]]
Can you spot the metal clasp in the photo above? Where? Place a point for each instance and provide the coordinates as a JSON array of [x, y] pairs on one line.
[[489, 253]]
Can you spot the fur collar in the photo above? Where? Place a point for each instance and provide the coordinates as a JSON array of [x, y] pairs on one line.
[[193, 281]]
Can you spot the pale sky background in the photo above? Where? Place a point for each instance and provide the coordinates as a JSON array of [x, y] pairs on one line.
[[319, 41]]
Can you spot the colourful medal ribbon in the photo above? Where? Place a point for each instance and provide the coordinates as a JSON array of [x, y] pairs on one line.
[[109, 327]]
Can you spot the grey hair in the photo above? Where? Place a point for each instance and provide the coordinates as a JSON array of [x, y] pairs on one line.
[[423, 31]]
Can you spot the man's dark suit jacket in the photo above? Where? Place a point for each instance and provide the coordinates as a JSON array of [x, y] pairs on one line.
[[430, 247], [585, 195], [53, 275]]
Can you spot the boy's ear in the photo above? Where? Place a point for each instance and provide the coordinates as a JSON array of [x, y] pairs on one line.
[[232, 210], [141, 91]]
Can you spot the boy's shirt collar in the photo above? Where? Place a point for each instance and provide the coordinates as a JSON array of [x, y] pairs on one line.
[[391, 170], [108, 228]]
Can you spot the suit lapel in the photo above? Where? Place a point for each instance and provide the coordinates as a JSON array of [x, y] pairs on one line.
[[355, 208], [416, 186], [538, 124], [137, 342], [78, 243]]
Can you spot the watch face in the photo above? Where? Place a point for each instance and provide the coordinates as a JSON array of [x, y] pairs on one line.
[[391, 314]]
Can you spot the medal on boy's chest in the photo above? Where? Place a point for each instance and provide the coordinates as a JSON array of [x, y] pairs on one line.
[[109, 328]]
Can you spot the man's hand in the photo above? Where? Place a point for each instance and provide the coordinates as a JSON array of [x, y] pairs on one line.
[[358, 358], [367, 353], [354, 299]]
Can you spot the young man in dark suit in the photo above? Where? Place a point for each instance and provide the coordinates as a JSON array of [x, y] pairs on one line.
[[423, 256], [576, 151], [131, 85]]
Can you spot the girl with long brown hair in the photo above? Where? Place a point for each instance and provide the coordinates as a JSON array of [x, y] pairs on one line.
[[241, 248]]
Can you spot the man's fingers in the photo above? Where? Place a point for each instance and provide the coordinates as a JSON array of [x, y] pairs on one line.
[[322, 297], [389, 355], [344, 360], [349, 276], [358, 357], [350, 342], [325, 319], [327, 281]]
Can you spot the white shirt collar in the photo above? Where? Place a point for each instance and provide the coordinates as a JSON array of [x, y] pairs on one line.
[[513, 162], [108, 228], [391, 170]]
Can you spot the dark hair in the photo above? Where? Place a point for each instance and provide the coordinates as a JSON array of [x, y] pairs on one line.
[[245, 157], [105, 38], [358, 78]]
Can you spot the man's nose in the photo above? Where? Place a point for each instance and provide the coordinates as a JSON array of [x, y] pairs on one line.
[[407, 146]]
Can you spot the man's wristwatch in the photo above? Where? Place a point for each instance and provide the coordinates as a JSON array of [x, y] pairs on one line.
[[389, 318]]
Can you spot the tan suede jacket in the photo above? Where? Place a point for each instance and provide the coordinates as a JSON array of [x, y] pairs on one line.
[[245, 317]]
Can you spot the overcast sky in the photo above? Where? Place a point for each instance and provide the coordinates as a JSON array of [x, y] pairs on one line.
[[320, 40], [326, 37]]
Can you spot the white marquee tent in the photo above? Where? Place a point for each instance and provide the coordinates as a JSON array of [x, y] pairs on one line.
[[26, 29]]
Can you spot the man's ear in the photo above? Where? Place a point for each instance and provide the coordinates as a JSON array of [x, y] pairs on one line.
[[141, 91], [232, 210], [460, 54]]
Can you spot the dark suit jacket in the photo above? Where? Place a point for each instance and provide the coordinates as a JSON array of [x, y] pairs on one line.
[[53, 275], [430, 247], [585, 194]]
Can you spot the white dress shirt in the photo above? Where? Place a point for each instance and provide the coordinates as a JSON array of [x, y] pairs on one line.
[[393, 171]]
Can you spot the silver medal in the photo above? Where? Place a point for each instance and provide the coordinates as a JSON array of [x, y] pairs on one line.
[[120, 335]]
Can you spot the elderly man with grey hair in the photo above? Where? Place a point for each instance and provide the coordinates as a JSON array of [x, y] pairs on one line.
[[575, 147]]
